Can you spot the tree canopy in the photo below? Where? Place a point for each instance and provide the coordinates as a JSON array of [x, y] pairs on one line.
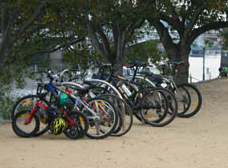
[[104, 28]]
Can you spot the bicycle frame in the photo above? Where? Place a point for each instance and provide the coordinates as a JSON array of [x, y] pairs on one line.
[[39, 105], [36, 107], [132, 83], [111, 78], [76, 99], [168, 79]]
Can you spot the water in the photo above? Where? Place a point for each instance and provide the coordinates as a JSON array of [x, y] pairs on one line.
[[212, 64]]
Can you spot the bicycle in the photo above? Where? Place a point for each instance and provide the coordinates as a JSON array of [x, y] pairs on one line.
[[149, 105], [185, 92], [97, 87], [100, 113], [73, 124]]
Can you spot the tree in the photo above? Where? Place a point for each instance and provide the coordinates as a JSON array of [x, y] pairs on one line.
[[31, 28], [17, 17], [111, 25], [188, 19]]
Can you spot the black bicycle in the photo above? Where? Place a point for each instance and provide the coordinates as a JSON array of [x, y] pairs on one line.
[[149, 105], [188, 95]]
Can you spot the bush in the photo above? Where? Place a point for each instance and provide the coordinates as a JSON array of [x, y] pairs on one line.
[[6, 104]]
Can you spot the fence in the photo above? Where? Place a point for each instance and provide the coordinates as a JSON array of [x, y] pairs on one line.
[[192, 78]]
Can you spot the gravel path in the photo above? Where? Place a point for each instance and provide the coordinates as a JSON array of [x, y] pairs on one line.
[[197, 142]]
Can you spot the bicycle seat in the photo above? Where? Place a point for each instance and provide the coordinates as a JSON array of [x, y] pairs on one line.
[[177, 63], [85, 89], [137, 64], [90, 84]]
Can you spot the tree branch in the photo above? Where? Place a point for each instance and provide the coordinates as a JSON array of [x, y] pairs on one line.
[[135, 25], [194, 19], [210, 26], [104, 39], [115, 36], [15, 15], [5, 21], [120, 43], [163, 34], [94, 39], [31, 20], [51, 50], [174, 22], [173, 13]]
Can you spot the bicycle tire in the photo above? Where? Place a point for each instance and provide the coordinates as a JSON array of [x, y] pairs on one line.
[[107, 115], [80, 128], [168, 117], [154, 106], [183, 98], [197, 105], [28, 104], [21, 131], [125, 114]]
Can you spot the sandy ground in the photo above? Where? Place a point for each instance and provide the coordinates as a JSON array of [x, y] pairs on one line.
[[197, 142]]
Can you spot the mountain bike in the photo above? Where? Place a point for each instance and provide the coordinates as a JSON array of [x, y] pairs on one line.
[[188, 95], [149, 105]]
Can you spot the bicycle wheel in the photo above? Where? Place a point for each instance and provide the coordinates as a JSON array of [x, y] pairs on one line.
[[156, 105], [196, 100], [80, 127], [27, 103], [124, 113], [22, 129], [102, 117], [183, 98]]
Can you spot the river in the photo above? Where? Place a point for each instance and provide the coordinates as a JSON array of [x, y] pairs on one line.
[[212, 64]]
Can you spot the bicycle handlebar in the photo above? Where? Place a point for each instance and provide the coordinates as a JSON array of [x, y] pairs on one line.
[[58, 76]]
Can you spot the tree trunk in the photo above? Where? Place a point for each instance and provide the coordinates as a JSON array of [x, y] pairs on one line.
[[118, 66], [179, 54], [6, 39], [118, 58]]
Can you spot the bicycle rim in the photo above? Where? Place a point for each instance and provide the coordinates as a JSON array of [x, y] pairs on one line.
[[124, 113], [159, 114], [27, 103], [22, 129], [104, 119]]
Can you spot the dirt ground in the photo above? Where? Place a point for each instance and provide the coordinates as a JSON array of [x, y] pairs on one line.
[[197, 142]]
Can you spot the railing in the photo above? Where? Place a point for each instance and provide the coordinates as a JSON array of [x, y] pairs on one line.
[[191, 78]]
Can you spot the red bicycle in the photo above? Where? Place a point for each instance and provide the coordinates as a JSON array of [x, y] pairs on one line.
[[27, 123]]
